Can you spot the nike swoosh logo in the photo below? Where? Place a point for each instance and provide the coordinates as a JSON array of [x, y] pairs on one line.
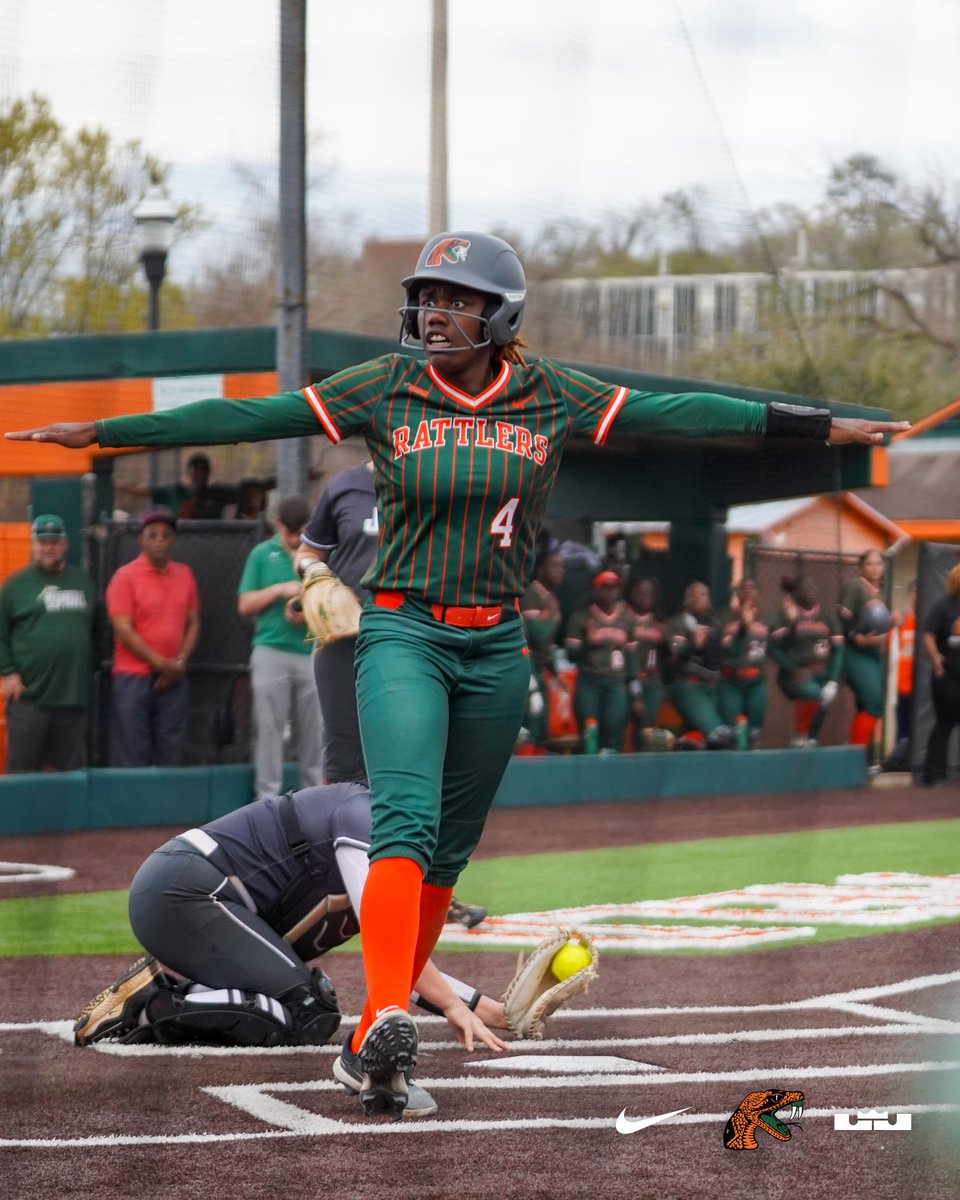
[[625, 1125]]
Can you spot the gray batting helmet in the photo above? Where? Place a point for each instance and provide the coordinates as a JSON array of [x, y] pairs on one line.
[[480, 262]]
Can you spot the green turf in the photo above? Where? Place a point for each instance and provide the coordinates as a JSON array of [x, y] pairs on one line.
[[96, 922]]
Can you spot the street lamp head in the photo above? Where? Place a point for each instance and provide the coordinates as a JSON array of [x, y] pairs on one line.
[[154, 217]]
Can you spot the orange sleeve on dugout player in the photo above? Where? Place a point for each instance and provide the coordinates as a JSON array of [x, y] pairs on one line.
[[609, 415], [310, 395]]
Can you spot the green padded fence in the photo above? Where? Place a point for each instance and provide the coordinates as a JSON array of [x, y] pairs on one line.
[[116, 798]]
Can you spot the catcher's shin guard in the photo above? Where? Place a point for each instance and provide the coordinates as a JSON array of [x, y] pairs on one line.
[[230, 1017], [314, 1010]]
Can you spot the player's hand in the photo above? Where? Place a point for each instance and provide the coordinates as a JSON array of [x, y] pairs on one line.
[[13, 687], [468, 1028], [844, 430], [790, 610], [73, 434], [293, 610], [936, 663]]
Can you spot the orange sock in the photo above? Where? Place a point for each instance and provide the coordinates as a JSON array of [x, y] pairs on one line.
[[434, 903], [389, 923], [805, 711], [861, 731]]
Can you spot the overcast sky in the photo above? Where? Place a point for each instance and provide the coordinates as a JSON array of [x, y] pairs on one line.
[[557, 107]]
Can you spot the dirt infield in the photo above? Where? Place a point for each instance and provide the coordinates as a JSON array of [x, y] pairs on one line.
[[864, 1023]]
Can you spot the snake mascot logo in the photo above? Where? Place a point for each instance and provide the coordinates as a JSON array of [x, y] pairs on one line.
[[759, 1111], [450, 250]]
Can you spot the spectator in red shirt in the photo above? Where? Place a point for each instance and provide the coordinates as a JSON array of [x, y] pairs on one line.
[[154, 611]]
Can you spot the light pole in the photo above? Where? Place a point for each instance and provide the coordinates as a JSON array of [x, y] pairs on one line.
[[154, 217]]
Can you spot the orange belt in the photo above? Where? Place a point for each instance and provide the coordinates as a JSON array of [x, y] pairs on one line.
[[468, 616]]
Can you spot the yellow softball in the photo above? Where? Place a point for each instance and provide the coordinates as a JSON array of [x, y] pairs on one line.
[[569, 959]]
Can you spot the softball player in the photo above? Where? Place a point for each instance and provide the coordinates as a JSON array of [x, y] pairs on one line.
[[742, 690], [647, 690], [863, 656], [601, 641], [807, 645], [343, 528], [541, 614], [695, 638], [466, 443], [236, 910]]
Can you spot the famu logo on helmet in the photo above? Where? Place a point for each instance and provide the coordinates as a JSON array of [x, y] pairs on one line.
[[450, 250]]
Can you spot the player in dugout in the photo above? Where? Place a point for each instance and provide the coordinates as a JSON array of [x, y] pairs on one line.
[[466, 438]]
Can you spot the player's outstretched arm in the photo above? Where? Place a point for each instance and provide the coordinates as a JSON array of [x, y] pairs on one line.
[[468, 1026], [75, 435], [844, 430]]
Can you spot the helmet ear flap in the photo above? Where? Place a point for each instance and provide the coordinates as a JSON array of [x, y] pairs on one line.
[[409, 327]]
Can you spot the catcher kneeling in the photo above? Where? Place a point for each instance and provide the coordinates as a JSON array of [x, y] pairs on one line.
[[237, 910]]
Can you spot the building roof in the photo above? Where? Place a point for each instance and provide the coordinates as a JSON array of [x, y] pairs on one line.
[[923, 481], [943, 423], [755, 518]]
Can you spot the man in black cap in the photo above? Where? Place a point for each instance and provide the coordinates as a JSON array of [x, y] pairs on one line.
[[49, 622], [155, 613]]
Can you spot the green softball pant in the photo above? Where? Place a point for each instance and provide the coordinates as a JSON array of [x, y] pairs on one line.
[[696, 703], [605, 701], [805, 685], [743, 697], [652, 692], [537, 723], [440, 707], [863, 671]]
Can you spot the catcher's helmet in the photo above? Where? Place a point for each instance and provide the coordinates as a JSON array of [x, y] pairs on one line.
[[874, 617], [478, 261]]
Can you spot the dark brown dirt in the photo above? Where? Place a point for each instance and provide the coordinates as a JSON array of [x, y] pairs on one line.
[[52, 1091]]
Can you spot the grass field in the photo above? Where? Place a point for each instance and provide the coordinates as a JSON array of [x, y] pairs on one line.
[[96, 922]]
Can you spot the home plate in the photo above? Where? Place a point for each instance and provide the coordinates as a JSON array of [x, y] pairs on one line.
[[566, 1064]]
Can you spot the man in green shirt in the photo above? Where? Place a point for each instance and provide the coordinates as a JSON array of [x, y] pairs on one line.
[[281, 675], [49, 619]]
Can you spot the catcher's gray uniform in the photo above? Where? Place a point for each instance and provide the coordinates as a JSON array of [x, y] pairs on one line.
[[242, 904], [344, 527], [213, 903]]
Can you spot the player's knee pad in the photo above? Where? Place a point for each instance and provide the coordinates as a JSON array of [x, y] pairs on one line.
[[313, 1009], [228, 1017]]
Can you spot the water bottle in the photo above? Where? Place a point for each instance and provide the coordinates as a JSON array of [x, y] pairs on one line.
[[741, 734], [590, 736]]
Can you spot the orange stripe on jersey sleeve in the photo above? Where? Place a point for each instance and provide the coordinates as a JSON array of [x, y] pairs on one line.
[[311, 397], [609, 416]]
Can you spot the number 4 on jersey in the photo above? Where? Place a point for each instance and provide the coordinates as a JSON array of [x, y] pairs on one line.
[[502, 523]]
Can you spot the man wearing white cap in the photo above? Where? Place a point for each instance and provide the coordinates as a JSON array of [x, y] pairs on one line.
[[49, 617]]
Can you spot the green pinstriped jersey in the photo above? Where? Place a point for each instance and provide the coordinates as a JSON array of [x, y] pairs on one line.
[[462, 481]]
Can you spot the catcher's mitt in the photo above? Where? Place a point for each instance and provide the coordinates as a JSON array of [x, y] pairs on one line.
[[534, 992], [331, 609]]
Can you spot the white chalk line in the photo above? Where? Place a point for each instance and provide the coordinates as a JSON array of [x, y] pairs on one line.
[[402, 1128], [64, 1030]]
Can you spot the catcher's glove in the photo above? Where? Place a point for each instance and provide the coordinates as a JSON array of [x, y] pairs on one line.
[[330, 608], [534, 992]]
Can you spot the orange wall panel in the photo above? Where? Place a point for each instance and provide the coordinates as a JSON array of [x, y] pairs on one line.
[[26, 406]]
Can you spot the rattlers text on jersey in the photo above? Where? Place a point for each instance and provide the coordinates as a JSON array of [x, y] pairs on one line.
[[462, 481]]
